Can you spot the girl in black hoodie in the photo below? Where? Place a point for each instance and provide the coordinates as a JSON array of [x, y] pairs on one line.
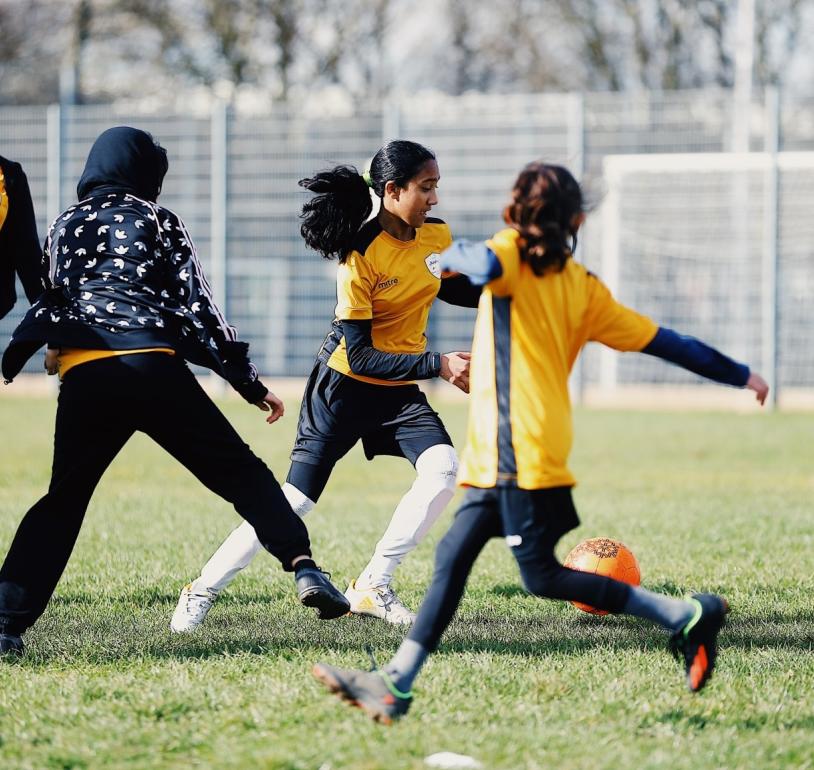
[[128, 305]]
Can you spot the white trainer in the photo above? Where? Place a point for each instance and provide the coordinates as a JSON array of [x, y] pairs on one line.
[[192, 608], [379, 602]]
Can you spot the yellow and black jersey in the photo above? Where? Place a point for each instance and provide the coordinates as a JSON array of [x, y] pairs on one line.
[[528, 333], [393, 284]]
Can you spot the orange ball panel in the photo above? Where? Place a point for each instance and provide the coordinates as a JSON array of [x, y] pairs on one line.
[[606, 557]]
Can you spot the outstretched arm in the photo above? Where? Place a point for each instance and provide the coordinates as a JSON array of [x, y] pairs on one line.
[[192, 290], [698, 357]]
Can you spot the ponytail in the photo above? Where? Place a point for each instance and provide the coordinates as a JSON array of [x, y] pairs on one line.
[[340, 206], [546, 201]]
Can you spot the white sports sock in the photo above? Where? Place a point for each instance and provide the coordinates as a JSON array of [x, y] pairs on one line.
[[299, 503], [417, 511], [242, 545]]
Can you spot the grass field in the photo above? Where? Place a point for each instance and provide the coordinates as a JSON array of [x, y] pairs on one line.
[[717, 502]]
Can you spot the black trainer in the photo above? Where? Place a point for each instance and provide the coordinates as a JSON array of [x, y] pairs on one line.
[[697, 642], [371, 691], [316, 590], [11, 646]]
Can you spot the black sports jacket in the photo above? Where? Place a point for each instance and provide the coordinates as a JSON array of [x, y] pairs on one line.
[[124, 273], [19, 243]]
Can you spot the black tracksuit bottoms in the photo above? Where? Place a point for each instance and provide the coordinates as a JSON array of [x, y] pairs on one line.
[[101, 405], [532, 521]]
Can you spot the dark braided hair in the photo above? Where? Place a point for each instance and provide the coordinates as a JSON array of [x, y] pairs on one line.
[[546, 200], [341, 204]]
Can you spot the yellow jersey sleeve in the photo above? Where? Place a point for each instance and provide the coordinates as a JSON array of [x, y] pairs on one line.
[[355, 281], [614, 324], [504, 246]]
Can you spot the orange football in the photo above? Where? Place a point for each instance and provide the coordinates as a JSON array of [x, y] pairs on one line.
[[607, 557]]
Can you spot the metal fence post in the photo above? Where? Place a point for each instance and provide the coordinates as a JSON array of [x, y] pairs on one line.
[[53, 193], [218, 200], [391, 119], [770, 261], [576, 159], [611, 247]]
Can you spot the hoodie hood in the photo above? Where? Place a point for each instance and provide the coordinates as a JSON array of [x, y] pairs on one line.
[[124, 158]]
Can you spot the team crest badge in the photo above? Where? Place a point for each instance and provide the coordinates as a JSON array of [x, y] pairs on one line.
[[433, 263]]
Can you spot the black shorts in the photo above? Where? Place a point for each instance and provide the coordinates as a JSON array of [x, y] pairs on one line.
[[531, 520], [338, 410]]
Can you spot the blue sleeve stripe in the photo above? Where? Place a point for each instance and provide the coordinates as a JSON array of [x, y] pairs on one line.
[[696, 356], [475, 260]]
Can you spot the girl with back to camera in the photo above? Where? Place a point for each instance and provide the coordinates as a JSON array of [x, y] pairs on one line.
[[362, 385], [538, 309], [127, 305]]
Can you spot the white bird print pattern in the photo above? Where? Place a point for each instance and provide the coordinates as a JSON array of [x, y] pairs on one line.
[[130, 271]]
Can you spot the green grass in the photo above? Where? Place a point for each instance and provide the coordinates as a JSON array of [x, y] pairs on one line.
[[706, 501]]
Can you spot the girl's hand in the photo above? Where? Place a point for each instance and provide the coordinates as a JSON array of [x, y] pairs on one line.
[[51, 360], [271, 403], [759, 385], [455, 369]]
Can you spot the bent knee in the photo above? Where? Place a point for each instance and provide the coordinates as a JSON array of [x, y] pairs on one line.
[[440, 463]]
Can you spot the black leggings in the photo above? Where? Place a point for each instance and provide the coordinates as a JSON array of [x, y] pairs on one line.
[[532, 521], [101, 404]]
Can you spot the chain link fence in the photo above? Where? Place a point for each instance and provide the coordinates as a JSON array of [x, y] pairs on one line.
[[233, 178]]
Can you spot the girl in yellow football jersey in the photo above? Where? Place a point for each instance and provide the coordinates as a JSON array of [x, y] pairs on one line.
[[538, 309], [363, 382]]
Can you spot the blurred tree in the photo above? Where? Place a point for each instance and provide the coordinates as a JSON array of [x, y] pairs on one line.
[[109, 49], [29, 56], [346, 44]]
